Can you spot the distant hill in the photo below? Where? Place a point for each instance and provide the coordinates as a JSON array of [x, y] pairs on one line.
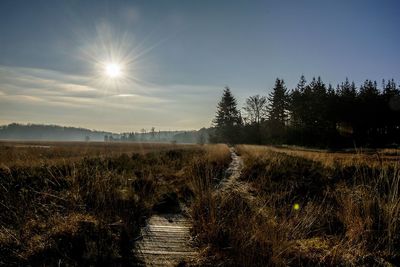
[[15, 131], [41, 132]]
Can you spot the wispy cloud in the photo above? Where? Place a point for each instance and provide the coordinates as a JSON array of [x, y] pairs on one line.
[[53, 86], [51, 96]]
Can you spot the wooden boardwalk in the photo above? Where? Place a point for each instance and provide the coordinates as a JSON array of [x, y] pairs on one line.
[[166, 241]]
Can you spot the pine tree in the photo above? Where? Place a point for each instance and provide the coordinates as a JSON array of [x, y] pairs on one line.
[[347, 109], [302, 84], [278, 104], [228, 120], [318, 104], [296, 103], [369, 105], [391, 111], [277, 112]]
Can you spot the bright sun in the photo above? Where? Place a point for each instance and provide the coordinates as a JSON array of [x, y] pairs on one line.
[[113, 70]]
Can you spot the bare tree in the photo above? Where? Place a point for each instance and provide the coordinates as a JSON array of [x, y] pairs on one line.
[[255, 109]]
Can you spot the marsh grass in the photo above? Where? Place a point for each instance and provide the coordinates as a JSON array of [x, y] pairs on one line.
[[88, 209], [36, 153], [301, 208], [289, 207]]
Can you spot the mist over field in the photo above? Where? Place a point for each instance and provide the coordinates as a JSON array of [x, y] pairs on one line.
[[40, 132]]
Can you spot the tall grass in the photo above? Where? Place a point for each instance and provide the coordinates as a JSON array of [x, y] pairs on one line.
[[289, 207], [295, 209], [85, 211], [204, 174]]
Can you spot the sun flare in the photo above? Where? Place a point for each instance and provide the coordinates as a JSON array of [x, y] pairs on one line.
[[113, 70]]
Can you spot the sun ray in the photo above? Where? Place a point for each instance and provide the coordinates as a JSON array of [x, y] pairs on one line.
[[118, 60]]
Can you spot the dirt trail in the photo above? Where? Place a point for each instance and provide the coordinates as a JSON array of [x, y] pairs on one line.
[[232, 173], [166, 239], [231, 182]]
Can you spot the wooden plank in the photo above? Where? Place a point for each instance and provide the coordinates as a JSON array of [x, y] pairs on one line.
[[166, 241]]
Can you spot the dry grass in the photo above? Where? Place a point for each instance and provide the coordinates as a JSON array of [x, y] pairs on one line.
[[83, 204], [371, 157], [208, 169], [301, 208], [33, 153], [76, 204], [354, 197]]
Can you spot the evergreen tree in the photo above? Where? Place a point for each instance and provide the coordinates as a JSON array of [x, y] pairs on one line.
[[369, 106], [277, 112], [228, 120], [296, 104], [318, 104], [278, 104], [391, 111], [347, 105]]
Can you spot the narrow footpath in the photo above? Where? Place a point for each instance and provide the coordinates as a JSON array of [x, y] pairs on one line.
[[166, 240], [233, 172]]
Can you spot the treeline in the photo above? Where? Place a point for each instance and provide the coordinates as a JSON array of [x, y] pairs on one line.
[[15, 131], [313, 114], [200, 136], [144, 136], [40, 132]]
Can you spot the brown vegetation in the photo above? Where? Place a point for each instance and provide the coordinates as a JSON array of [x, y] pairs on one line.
[[79, 203], [293, 208], [83, 203], [30, 153]]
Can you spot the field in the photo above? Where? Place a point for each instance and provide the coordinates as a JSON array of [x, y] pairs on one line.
[[84, 203], [299, 207]]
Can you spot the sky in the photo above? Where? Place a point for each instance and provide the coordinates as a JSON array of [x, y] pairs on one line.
[[177, 56]]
